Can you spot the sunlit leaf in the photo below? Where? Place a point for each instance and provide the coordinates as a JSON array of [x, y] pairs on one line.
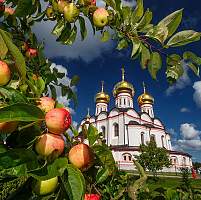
[[183, 38]]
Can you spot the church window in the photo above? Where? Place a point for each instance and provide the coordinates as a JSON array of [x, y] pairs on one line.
[[103, 131], [129, 158], [162, 140], [120, 102], [125, 158], [124, 101], [142, 138], [116, 130]]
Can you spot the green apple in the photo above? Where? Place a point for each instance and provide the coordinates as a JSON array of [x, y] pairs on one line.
[[61, 5], [50, 13], [71, 12], [100, 17], [45, 187]]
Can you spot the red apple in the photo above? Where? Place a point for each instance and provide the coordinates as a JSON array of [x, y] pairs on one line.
[[71, 12], [45, 187], [49, 143], [2, 1], [9, 10], [81, 156], [61, 5], [31, 53], [8, 127], [58, 120], [46, 104], [92, 197], [5, 73], [100, 17]]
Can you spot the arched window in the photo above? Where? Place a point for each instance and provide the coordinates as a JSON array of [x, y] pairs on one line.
[[142, 138], [152, 138], [120, 102], [103, 131], [127, 157], [162, 140], [116, 130], [124, 101]]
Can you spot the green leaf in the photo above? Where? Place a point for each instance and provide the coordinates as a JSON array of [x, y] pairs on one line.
[[83, 29], [24, 8], [74, 80], [105, 36], [136, 45], [3, 48], [183, 38], [190, 56], [17, 55], [92, 134], [56, 168], [154, 64], [122, 44], [172, 21], [102, 175], [174, 68], [74, 131], [17, 162], [105, 157], [159, 32], [138, 12], [11, 95], [195, 68], [146, 19], [59, 27], [21, 112], [70, 40], [74, 183], [192, 61], [145, 57]]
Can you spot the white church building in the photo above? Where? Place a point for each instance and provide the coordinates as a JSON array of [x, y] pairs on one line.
[[125, 129]]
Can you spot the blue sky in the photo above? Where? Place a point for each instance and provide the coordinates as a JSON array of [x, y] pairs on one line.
[[179, 107]]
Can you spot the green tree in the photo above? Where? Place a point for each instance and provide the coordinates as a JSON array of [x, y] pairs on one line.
[[153, 158]]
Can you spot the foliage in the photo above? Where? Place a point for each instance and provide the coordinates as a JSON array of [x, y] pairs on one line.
[[153, 158], [32, 77]]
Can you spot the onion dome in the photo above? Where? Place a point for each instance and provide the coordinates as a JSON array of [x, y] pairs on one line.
[[102, 97], [145, 98], [123, 86]]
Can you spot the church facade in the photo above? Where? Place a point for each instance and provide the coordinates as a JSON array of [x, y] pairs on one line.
[[124, 129]]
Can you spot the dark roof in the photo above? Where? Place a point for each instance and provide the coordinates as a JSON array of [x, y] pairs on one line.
[[180, 153]]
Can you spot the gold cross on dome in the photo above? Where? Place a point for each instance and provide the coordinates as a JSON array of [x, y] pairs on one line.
[[102, 86], [123, 73]]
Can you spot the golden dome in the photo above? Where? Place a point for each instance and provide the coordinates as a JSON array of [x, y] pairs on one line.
[[102, 97], [145, 98], [123, 86]]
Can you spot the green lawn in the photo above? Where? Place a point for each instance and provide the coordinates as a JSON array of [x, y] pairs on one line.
[[169, 183]]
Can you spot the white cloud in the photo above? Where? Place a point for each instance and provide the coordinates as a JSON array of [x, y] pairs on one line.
[[86, 50], [190, 144], [184, 110], [190, 137], [197, 93], [65, 81], [189, 131], [181, 83]]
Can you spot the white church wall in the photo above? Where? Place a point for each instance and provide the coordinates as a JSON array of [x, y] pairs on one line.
[[145, 118]]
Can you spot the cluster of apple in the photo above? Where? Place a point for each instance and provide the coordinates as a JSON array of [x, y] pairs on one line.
[[71, 11], [58, 120]]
